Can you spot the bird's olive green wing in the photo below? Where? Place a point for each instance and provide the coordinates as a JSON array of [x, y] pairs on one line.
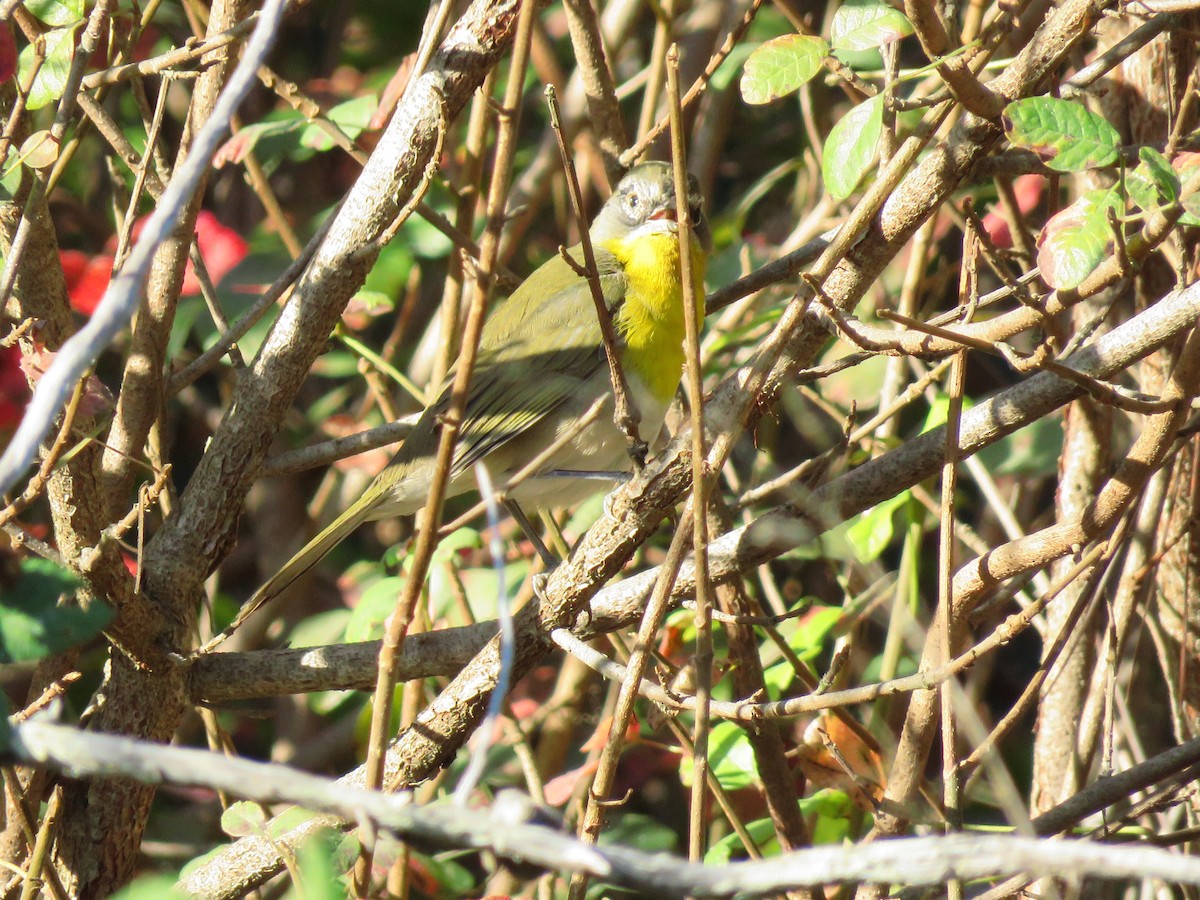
[[538, 348]]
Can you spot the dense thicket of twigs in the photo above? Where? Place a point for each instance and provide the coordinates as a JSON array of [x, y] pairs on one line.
[[952, 519]]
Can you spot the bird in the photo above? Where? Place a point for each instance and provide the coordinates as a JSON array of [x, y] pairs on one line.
[[541, 365]]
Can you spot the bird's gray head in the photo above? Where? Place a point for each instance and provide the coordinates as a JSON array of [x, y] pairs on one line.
[[645, 198]]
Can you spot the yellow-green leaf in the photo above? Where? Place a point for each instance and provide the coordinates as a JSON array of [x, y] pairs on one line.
[[850, 147], [780, 66], [865, 24], [1067, 135]]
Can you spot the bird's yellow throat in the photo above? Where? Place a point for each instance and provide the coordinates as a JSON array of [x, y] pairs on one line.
[[651, 318]]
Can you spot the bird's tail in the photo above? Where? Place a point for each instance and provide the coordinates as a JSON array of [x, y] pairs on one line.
[[305, 559]]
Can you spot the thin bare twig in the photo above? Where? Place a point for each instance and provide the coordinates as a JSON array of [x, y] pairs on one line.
[[625, 411], [698, 86], [693, 314]]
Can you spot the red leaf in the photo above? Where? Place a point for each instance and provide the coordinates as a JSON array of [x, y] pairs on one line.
[[1028, 191], [73, 263], [525, 709], [558, 790], [392, 92], [1076, 239], [423, 878], [600, 736], [8, 53], [235, 149], [14, 391], [221, 248], [87, 278], [96, 399], [864, 781]]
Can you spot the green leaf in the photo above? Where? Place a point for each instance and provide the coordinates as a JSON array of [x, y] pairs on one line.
[[585, 515], [449, 547], [423, 239], [870, 532], [1077, 239], [194, 864], [730, 847], [1160, 170], [10, 178], [1153, 184], [337, 365], [243, 818], [348, 849], [289, 134], [641, 831], [811, 637], [374, 606], [1067, 135], [351, 118], [857, 384], [391, 271], [781, 66], [33, 625], [321, 628], [728, 70], [906, 665], [832, 816], [5, 727], [864, 24], [730, 758], [939, 411], [1186, 164], [51, 78], [57, 13], [288, 820], [1033, 450], [850, 148], [378, 601], [451, 878], [481, 586], [270, 139], [151, 887], [808, 641], [316, 869], [371, 303]]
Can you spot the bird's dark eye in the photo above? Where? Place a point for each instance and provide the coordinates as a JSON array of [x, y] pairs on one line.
[[634, 201]]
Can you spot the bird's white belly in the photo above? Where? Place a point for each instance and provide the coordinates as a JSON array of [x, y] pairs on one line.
[[599, 448]]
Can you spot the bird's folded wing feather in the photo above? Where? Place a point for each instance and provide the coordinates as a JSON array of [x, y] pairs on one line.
[[537, 350], [538, 347]]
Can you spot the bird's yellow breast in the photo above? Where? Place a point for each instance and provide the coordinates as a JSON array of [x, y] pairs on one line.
[[650, 320]]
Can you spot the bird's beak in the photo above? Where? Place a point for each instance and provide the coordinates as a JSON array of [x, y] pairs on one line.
[[667, 212]]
